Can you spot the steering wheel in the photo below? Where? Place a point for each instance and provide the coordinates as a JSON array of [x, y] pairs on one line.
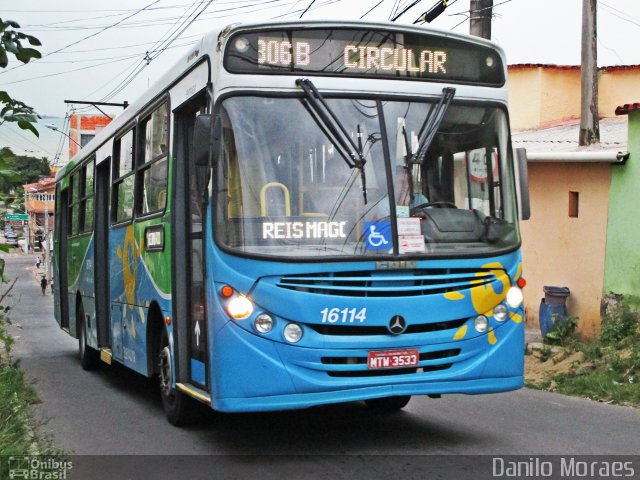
[[440, 203]]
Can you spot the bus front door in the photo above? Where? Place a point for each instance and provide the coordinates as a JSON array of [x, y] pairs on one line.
[[188, 254], [101, 252]]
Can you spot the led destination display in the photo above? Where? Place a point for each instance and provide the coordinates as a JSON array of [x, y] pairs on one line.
[[366, 53]]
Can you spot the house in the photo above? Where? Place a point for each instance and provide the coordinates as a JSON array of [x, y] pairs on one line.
[[580, 234], [40, 205]]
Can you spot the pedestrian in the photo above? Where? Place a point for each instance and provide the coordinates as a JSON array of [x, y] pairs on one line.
[[43, 284], [38, 261]]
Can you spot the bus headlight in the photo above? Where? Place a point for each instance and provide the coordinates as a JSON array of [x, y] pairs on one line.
[[293, 333], [240, 307], [515, 297], [481, 323], [263, 323], [500, 312]]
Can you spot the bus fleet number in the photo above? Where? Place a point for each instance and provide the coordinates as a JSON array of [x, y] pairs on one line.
[[346, 315]]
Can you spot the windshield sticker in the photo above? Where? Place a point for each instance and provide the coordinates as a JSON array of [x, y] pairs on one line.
[[402, 211], [411, 243], [409, 226], [377, 235]]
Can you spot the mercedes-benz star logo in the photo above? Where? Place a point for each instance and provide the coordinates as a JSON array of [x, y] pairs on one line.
[[397, 325]]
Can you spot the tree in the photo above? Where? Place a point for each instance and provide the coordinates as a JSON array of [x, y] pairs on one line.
[[13, 41], [20, 169]]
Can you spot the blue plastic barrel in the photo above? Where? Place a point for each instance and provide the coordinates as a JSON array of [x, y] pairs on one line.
[[547, 311]]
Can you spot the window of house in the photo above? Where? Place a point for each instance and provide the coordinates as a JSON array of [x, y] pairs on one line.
[[123, 183], [152, 174]]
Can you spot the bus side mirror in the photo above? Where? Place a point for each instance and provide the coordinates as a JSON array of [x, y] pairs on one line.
[[523, 183], [207, 133]]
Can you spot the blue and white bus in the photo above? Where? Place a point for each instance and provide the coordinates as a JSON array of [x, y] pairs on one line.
[[303, 213]]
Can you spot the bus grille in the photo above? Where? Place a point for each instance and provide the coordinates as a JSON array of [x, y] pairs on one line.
[[353, 330], [437, 355], [388, 284]]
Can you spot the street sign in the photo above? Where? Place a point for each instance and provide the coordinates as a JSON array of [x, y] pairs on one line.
[[16, 216]]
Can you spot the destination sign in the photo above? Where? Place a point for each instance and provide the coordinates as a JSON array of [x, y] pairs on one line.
[[364, 53]]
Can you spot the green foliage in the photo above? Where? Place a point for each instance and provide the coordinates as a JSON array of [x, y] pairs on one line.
[[16, 170], [14, 42], [562, 329], [610, 368], [618, 326], [545, 353]]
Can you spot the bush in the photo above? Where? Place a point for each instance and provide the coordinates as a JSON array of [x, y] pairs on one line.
[[562, 330], [620, 325]]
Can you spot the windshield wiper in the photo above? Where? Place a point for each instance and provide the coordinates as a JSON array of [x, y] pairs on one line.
[[430, 126], [328, 121]]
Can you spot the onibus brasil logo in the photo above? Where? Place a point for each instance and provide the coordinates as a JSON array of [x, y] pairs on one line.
[[38, 468]]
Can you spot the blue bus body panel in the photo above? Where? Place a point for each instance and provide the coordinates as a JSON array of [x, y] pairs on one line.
[[132, 291], [252, 371]]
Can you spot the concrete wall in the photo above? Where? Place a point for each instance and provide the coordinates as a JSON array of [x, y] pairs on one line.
[[564, 251], [546, 95], [622, 274], [524, 97]]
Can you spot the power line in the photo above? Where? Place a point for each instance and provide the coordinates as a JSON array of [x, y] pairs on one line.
[[307, 9], [372, 9], [191, 17], [612, 11], [87, 37]]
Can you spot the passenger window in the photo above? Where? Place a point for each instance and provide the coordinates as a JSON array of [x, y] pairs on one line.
[[123, 183], [153, 170], [74, 204], [86, 201]]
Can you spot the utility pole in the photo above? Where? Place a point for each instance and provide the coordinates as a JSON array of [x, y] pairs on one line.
[[589, 121], [480, 13]]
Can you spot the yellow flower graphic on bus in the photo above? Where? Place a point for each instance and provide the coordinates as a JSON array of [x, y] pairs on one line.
[[129, 255], [485, 297]]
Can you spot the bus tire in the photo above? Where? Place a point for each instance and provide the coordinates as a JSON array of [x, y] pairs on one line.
[[177, 406], [388, 404], [89, 357]]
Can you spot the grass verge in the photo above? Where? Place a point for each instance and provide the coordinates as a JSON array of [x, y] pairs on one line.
[[606, 370], [18, 432]]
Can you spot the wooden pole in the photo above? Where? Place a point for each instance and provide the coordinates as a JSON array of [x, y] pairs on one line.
[[589, 121]]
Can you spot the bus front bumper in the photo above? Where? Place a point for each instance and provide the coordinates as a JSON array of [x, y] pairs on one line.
[[255, 374]]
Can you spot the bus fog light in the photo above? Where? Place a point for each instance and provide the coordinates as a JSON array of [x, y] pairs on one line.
[[293, 332], [263, 323], [481, 323], [515, 297], [500, 312], [240, 308]]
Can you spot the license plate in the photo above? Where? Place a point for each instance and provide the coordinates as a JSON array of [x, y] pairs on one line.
[[393, 359]]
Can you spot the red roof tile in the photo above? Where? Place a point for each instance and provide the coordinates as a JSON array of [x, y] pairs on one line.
[[626, 108]]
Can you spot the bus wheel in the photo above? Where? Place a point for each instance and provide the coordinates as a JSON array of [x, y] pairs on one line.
[[175, 403], [388, 404], [89, 357]]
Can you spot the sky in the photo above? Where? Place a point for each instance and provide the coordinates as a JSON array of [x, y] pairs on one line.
[[114, 50]]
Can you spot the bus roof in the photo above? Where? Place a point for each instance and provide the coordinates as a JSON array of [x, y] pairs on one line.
[[212, 44]]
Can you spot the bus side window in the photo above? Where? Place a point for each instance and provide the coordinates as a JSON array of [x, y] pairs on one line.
[[152, 182], [123, 182], [74, 189]]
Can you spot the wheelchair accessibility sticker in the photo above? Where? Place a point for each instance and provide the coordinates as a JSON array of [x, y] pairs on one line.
[[377, 235]]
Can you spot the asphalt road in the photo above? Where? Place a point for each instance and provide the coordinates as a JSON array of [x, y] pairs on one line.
[[116, 412]]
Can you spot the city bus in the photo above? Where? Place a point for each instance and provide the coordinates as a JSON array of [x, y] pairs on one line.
[[300, 214]]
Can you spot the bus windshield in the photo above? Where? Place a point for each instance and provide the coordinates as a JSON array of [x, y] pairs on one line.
[[284, 189]]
